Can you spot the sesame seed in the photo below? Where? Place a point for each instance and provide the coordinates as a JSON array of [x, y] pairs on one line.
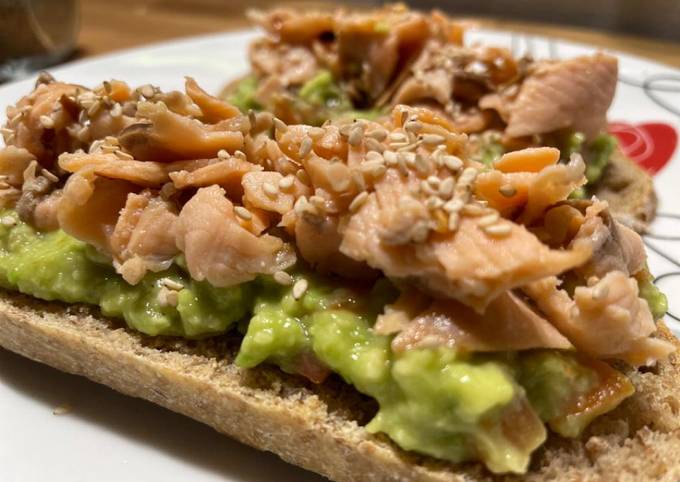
[[507, 190], [377, 134], [147, 91], [345, 130], [305, 147], [61, 410], [300, 205], [433, 181], [94, 108], [116, 110], [452, 162], [287, 182], [390, 158], [413, 126], [355, 135], [446, 188], [318, 201], [454, 220], [270, 189], [316, 132], [473, 210], [468, 176], [279, 125], [592, 280], [358, 201], [426, 188], [171, 284], [83, 134], [488, 219], [600, 291], [243, 213], [359, 180], [47, 122], [454, 205], [432, 139], [223, 154], [48, 175], [434, 202], [283, 278], [499, 229], [240, 155], [373, 145], [8, 221], [398, 137], [299, 288]]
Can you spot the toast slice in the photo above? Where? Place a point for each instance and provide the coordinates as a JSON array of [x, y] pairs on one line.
[[319, 427], [629, 191]]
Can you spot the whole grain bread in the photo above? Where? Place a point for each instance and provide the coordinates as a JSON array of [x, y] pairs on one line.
[[629, 190], [319, 427]]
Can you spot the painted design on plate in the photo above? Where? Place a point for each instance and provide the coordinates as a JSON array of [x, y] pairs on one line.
[[651, 145]]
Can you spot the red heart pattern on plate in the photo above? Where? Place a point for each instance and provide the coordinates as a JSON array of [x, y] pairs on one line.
[[650, 144]]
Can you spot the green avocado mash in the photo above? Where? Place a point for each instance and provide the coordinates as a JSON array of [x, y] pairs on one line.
[[318, 99], [451, 405], [657, 301], [243, 95]]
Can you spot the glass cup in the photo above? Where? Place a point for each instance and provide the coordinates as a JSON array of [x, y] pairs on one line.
[[35, 34]]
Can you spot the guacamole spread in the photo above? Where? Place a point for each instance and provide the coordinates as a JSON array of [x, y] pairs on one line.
[[440, 402]]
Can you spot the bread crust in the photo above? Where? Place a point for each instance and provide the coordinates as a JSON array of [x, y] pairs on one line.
[[318, 427], [629, 190]]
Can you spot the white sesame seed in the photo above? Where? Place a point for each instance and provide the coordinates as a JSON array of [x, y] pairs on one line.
[[270, 189], [300, 204], [433, 181], [390, 158], [434, 202], [359, 180], [468, 176], [507, 190], [355, 135], [223, 154], [279, 125], [426, 188], [473, 210], [240, 155], [452, 162], [283, 278], [378, 134], [94, 108], [499, 229], [171, 284], [123, 155], [316, 132], [299, 288], [61, 410], [373, 145], [83, 134], [243, 213], [398, 137], [358, 201], [374, 156], [318, 201], [47, 122], [454, 219], [147, 91], [413, 126], [8, 221], [345, 130], [454, 205], [432, 139], [287, 182], [116, 110], [488, 219], [305, 147], [446, 188], [592, 280], [49, 175]]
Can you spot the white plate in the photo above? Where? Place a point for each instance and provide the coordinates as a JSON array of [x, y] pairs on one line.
[[109, 437]]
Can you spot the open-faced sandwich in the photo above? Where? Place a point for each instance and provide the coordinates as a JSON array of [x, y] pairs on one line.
[[367, 300], [313, 66]]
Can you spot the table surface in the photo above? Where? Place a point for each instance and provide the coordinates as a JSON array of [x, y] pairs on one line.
[[108, 26]]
